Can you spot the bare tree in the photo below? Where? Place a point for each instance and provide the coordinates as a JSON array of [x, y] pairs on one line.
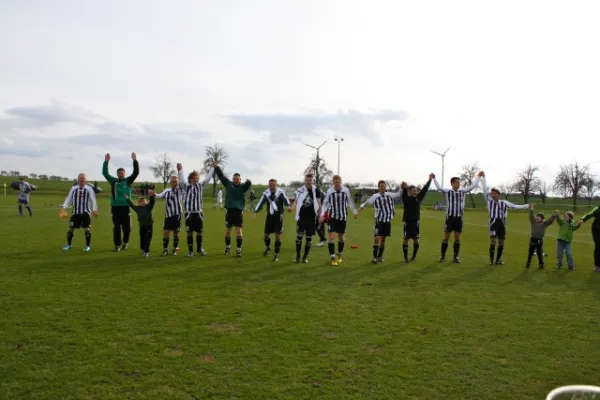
[[589, 189], [215, 154], [570, 180], [15, 173], [507, 190], [543, 188], [163, 169], [526, 182], [467, 176], [33, 176], [392, 186], [319, 168]]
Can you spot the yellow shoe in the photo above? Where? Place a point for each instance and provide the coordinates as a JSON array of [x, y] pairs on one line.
[[339, 259], [334, 262]]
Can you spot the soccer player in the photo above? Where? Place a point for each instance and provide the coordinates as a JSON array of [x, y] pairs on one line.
[[144, 213], [455, 208], [383, 202], [337, 200], [498, 210], [219, 202], [192, 199], [594, 213], [235, 203], [411, 217], [277, 201], [80, 196], [252, 199], [119, 187], [173, 211], [307, 207], [24, 190]]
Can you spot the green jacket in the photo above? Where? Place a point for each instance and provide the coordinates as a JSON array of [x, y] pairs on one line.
[[566, 229], [234, 194], [144, 213], [594, 213], [122, 187]]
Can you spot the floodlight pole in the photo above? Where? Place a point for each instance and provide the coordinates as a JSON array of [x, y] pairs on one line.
[[339, 141]]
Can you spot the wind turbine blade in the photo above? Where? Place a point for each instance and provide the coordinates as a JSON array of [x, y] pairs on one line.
[[447, 150], [435, 152], [322, 143], [310, 146]]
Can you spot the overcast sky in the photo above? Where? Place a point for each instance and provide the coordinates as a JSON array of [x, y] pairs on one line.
[[503, 83]]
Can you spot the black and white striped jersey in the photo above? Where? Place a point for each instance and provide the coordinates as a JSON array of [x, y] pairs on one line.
[[81, 198], [383, 205], [192, 198], [498, 209], [336, 203], [173, 198], [276, 201], [455, 199]]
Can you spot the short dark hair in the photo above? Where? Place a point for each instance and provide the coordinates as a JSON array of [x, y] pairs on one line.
[[140, 199], [309, 176], [541, 215], [454, 179], [121, 169], [380, 182], [336, 177], [411, 187], [192, 174], [272, 180], [236, 174], [494, 190]]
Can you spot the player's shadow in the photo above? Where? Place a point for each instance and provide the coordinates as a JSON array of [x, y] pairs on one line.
[[526, 276], [408, 276], [476, 273], [593, 284]]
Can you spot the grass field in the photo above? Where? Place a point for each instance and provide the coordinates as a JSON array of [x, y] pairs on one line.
[[104, 325]]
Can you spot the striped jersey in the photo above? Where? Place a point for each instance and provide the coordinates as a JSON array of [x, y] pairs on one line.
[[384, 206], [336, 203], [192, 198], [173, 198], [455, 199], [498, 209], [81, 198]]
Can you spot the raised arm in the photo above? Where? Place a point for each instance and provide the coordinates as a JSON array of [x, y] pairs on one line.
[[404, 188], [550, 220], [222, 177], [133, 207], [593, 212], [424, 190], [472, 185], [486, 194], [439, 187], [162, 194], [209, 175], [152, 202], [109, 178], [369, 201], [136, 169], [69, 198], [246, 185], [531, 215], [516, 206]]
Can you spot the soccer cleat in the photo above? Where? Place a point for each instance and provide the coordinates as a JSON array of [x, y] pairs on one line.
[[339, 259], [238, 253], [176, 251], [499, 262], [571, 267], [374, 260], [321, 243], [267, 250], [227, 250], [558, 266], [541, 266], [527, 265], [380, 259], [456, 260], [117, 249], [413, 258], [165, 252], [191, 254], [334, 262], [86, 249], [406, 260], [275, 257], [145, 254], [297, 260], [305, 260], [124, 246], [442, 259], [67, 247], [596, 269], [202, 252]]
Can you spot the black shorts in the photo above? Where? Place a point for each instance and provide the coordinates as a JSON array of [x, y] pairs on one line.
[[172, 223], [453, 224], [80, 221], [412, 229], [336, 226], [382, 229], [23, 201], [234, 217], [194, 222], [274, 223], [306, 226], [497, 229]]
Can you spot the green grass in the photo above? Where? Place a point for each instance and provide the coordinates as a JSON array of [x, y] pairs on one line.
[[113, 326]]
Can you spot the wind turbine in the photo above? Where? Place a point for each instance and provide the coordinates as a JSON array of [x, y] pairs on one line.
[[443, 156], [318, 160]]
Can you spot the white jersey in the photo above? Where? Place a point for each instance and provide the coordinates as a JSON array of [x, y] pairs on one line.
[[220, 196], [81, 198], [498, 209]]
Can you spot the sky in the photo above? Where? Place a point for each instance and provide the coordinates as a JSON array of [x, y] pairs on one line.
[[502, 84]]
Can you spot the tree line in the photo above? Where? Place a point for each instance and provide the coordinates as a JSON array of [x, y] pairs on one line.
[[44, 177]]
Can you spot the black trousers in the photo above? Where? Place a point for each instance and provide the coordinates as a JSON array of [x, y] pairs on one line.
[[145, 238], [121, 219], [536, 246], [596, 237]]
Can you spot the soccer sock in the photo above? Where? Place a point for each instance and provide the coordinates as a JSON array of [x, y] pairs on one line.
[[190, 242], [307, 246], [444, 247], [381, 249], [405, 250], [69, 237], [500, 251], [29, 209], [375, 250], [415, 249], [175, 242], [331, 247], [277, 246], [199, 242], [20, 210], [88, 238], [492, 251], [341, 244], [298, 245], [228, 241], [456, 248], [267, 241], [165, 242], [238, 241]]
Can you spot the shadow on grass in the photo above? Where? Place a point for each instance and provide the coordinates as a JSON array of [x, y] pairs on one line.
[[475, 275]]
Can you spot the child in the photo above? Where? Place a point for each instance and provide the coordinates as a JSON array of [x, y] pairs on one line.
[[565, 237], [538, 231], [144, 213]]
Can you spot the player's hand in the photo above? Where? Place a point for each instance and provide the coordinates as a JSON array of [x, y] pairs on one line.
[[321, 219], [432, 176], [289, 209], [403, 185], [531, 205], [107, 157], [126, 196], [179, 166], [481, 174], [581, 221], [95, 214], [63, 213], [215, 164], [356, 215], [134, 156], [555, 212], [151, 193]]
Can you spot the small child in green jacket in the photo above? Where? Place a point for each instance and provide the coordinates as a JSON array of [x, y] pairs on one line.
[[565, 237], [144, 213]]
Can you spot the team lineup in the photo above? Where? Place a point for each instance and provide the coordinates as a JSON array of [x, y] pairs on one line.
[[313, 209]]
